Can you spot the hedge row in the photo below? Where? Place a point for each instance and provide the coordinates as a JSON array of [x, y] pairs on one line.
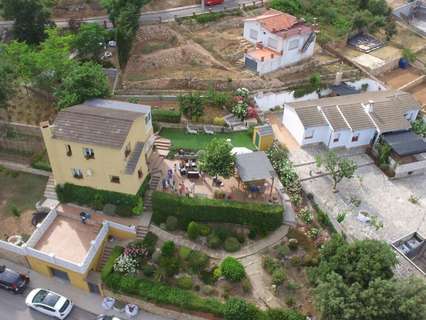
[[159, 293], [266, 217], [107, 269], [166, 115], [97, 199]]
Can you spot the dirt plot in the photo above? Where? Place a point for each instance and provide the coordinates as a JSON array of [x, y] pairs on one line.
[[77, 9], [419, 92], [155, 5], [399, 77]]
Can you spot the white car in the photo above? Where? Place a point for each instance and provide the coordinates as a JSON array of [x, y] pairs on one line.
[[49, 303]]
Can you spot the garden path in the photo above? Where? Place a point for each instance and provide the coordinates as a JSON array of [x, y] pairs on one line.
[[261, 289], [246, 251]]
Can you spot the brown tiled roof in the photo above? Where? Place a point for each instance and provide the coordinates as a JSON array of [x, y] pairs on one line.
[[275, 21], [94, 125]]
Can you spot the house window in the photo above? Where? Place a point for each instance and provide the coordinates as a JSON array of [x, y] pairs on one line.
[[127, 150], [77, 173], [68, 150], [140, 174], [253, 34], [336, 137], [355, 137], [89, 153], [115, 179], [294, 44], [272, 43], [309, 134]]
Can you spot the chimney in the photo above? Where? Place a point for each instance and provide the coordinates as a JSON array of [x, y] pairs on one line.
[[338, 80]]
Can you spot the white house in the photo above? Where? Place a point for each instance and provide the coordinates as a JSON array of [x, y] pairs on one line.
[[350, 121], [280, 40]]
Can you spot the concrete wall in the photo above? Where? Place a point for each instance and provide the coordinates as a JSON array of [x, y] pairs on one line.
[[13, 253], [292, 122], [413, 168], [107, 162]]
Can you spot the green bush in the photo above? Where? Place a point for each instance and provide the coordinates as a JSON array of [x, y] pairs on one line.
[[283, 314], [238, 309], [213, 241], [149, 242], [222, 232], [171, 223], [108, 268], [204, 230], [265, 216], [168, 249], [197, 261], [270, 264], [170, 265], [40, 162], [208, 17], [164, 294], [232, 244], [232, 269], [278, 276], [282, 250], [15, 210], [184, 253], [148, 270], [184, 282], [193, 230], [97, 198], [170, 116], [144, 186]]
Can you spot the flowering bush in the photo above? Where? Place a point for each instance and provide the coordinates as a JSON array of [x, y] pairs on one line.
[[251, 112], [306, 215], [240, 110], [313, 233], [242, 92], [126, 264]]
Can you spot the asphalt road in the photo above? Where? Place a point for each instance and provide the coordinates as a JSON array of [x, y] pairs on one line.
[[13, 307], [149, 17]]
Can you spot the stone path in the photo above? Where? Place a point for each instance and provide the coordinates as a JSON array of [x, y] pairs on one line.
[[261, 287], [23, 168], [246, 251]]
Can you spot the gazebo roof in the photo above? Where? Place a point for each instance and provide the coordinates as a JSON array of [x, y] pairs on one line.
[[254, 166]]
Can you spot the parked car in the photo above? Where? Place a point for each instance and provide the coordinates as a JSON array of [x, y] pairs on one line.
[[49, 303], [213, 2], [12, 280], [105, 317]]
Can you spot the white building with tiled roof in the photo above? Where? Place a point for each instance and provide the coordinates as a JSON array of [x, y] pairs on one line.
[[280, 40], [350, 121]]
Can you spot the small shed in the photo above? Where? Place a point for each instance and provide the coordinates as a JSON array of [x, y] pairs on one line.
[[263, 137], [254, 167]]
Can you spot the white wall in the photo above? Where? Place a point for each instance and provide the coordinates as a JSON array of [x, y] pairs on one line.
[[293, 124], [320, 134], [364, 138]]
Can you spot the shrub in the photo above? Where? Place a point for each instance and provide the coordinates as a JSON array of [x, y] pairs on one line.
[[171, 223], [208, 17], [207, 290], [149, 242], [39, 162], [265, 217], [219, 121], [168, 249], [282, 250], [98, 198], [270, 264], [204, 230], [252, 233], [170, 116], [306, 215], [232, 244], [170, 265], [284, 314], [246, 285], [184, 252], [15, 210], [278, 276], [313, 233], [148, 270], [184, 282], [164, 294], [108, 268], [295, 261], [310, 260], [222, 232], [126, 264], [240, 237], [213, 241], [217, 273], [197, 261], [193, 230], [232, 269], [238, 309], [293, 244]]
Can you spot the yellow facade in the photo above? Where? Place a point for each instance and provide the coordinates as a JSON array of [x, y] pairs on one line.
[[262, 142], [107, 161]]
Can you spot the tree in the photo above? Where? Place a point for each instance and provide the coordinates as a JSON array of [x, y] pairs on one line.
[[85, 81], [232, 269], [217, 160], [390, 29], [238, 309], [337, 167], [31, 19], [191, 105], [8, 78], [90, 40], [284, 314]]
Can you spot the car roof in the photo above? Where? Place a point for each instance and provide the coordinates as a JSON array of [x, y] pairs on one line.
[[8, 275], [47, 298]]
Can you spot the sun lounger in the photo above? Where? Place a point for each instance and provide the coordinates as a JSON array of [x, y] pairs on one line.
[[207, 130], [190, 130]]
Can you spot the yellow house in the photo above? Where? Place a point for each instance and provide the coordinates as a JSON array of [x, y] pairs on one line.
[[102, 144], [263, 137]]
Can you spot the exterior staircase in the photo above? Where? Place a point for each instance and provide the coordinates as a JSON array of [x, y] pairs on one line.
[[105, 255], [162, 146], [134, 158], [50, 190], [141, 231]]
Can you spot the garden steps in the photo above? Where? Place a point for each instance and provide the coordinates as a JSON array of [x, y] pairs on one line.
[[105, 255], [141, 231], [162, 146], [50, 190]]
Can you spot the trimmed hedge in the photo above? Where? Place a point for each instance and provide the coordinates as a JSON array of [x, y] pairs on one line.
[[108, 267], [159, 293], [266, 217], [170, 116]]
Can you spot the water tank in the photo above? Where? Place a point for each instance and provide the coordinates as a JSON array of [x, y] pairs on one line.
[[403, 63]]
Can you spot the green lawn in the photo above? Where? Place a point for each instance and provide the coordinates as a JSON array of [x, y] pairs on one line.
[[181, 139], [20, 189]]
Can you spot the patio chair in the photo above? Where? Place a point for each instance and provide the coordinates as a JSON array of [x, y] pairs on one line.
[[190, 130], [208, 130]]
